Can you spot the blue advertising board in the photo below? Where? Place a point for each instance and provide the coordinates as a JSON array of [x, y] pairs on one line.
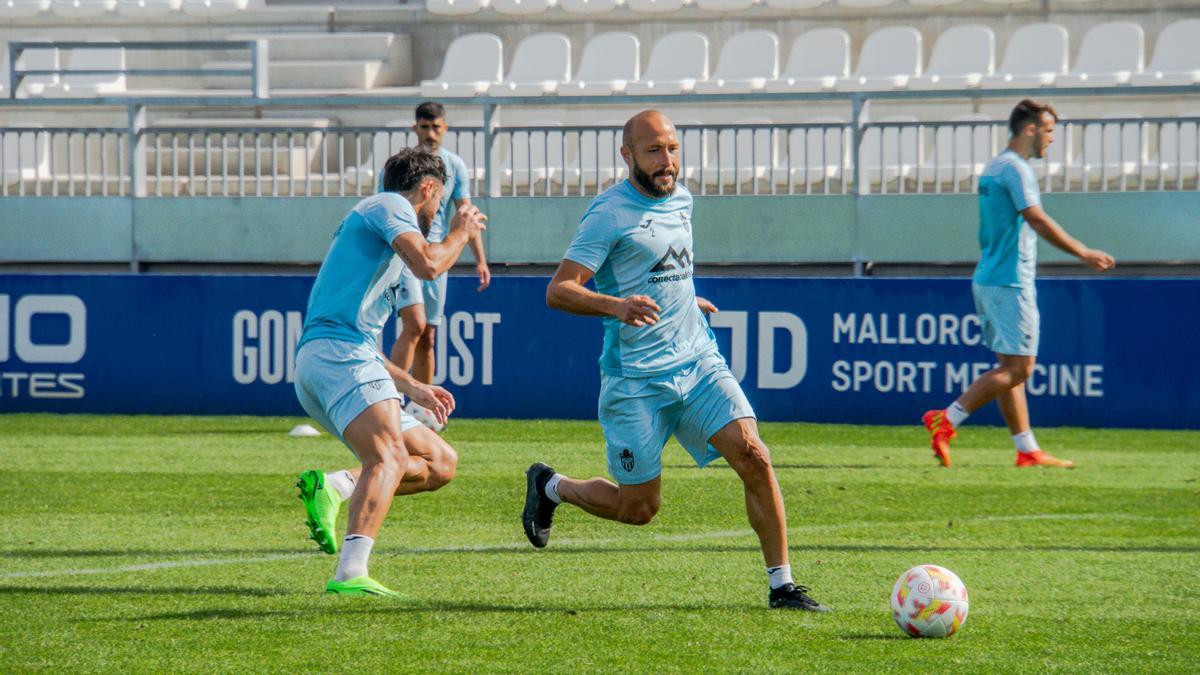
[[1115, 352]]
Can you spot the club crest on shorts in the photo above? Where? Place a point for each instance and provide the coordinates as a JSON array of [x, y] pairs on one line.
[[626, 459]]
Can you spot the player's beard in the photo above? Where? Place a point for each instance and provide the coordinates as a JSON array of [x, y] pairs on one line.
[[425, 222], [647, 181]]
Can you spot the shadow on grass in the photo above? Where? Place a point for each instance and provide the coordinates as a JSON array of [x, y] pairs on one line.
[[893, 635], [658, 547], [722, 465], [355, 606], [33, 553], [141, 590]]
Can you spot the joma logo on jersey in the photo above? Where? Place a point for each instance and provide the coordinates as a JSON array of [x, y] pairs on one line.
[[673, 260]]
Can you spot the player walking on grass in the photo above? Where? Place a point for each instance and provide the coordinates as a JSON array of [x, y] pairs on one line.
[[422, 304], [661, 373], [1010, 220], [345, 383]]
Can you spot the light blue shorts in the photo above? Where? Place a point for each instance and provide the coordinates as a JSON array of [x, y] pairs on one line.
[[1010, 318], [432, 293], [639, 414], [337, 380]]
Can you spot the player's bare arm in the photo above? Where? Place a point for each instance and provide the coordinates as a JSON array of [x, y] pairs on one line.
[[1051, 231], [439, 401], [706, 306], [481, 265], [428, 260], [567, 292]]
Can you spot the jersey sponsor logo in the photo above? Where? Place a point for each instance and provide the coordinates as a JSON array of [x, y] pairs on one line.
[[673, 259], [627, 460]]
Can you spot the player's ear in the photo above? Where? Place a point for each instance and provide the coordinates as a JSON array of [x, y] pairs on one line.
[[626, 154]]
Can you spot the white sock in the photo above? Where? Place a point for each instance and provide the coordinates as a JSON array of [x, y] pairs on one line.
[[551, 488], [356, 548], [780, 575], [956, 414], [342, 481], [1025, 441]]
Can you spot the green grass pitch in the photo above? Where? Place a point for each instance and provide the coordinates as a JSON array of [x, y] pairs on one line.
[[177, 544]]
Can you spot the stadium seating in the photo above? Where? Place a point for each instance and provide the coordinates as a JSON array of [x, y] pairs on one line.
[[522, 7], [33, 86], [739, 156], [609, 63], [594, 157], [541, 64], [818, 60], [748, 61], [1178, 157], [889, 154], [960, 151], [211, 8], [794, 4], [528, 159], [588, 6], [865, 4], [88, 86], [1110, 151], [82, 9], [889, 59], [456, 7], [656, 6], [1036, 56], [1111, 53], [1176, 59], [815, 154], [473, 63], [725, 5], [21, 9], [962, 57], [677, 62], [147, 9]]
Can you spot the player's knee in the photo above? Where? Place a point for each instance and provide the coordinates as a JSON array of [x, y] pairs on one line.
[[638, 513], [752, 460], [1020, 372], [443, 469]]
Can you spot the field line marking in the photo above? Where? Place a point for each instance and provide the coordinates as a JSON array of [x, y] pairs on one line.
[[484, 548]]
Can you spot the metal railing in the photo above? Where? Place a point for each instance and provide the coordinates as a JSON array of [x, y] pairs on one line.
[[826, 156]]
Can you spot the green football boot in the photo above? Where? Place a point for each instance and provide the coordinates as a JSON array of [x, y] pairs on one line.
[[360, 587], [321, 505]]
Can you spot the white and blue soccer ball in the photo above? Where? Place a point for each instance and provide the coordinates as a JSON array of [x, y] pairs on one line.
[[423, 415], [929, 601]]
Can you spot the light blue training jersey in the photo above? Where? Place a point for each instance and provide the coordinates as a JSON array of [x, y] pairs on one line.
[[1008, 244], [636, 245], [356, 288]]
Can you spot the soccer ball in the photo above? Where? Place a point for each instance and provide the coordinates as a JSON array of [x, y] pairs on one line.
[[424, 416], [929, 601]]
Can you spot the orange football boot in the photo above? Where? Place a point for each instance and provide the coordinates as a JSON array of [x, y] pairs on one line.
[[1039, 458], [941, 432]]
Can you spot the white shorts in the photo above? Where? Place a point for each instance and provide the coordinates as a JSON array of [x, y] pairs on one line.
[[337, 380], [432, 293]]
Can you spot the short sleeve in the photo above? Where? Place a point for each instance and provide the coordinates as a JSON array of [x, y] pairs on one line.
[[461, 188], [391, 216], [1022, 185], [594, 241]]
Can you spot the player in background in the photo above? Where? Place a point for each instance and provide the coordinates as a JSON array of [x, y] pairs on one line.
[[422, 304], [344, 382], [1010, 221], [661, 373]]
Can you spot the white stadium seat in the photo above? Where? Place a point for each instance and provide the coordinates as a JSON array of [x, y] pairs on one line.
[[656, 6], [890, 57], [1005, 2], [889, 153], [522, 7], [748, 60], [1109, 151], [1176, 56], [934, 3], [725, 5], [472, 64], [78, 86], [818, 60], [795, 4], [26, 153], [456, 7], [146, 9], [82, 9], [1178, 157], [739, 156], [865, 4], [21, 9], [609, 63], [588, 6], [962, 57], [33, 86], [203, 9], [542, 63], [961, 151], [677, 62], [1111, 53], [815, 154], [1036, 56]]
